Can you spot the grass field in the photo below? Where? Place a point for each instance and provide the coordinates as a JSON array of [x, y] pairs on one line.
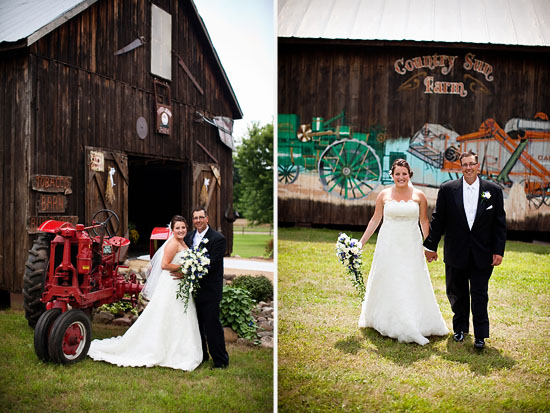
[[326, 363], [29, 385], [250, 245], [242, 225]]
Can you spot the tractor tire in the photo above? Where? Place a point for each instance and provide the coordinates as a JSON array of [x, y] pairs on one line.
[[36, 269], [42, 333], [70, 337]]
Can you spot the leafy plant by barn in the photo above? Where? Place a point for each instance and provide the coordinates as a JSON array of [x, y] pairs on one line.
[[260, 287], [236, 312]]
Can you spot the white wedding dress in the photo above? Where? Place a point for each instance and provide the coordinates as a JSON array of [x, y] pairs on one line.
[[163, 335], [399, 300]]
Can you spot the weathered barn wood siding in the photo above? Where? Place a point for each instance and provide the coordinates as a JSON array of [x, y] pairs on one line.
[[72, 92], [320, 77], [89, 96], [324, 79], [15, 127]]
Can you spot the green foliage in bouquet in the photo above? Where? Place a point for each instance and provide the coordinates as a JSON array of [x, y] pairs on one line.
[[260, 288], [119, 307], [235, 312]]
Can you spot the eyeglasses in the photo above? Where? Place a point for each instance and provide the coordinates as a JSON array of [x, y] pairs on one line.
[[469, 165]]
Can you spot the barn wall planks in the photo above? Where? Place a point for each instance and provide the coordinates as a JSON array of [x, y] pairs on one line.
[[315, 79], [389, 92], [15, 130], [68, 91]]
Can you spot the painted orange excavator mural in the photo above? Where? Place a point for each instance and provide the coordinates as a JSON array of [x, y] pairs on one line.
[[517, 153]]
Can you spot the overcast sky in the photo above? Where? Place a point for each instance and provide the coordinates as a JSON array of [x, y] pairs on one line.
[[243, 34]]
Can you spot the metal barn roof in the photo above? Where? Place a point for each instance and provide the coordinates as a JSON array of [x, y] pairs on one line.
[[33, 19], [505, 22], [23, 22]]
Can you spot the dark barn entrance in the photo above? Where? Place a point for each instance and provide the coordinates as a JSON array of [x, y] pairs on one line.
[[155, 195]]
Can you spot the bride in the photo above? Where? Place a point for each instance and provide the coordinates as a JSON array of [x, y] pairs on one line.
[[399, 299], [164, 334]]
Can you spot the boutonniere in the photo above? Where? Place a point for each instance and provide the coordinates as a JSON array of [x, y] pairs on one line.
[[485, 195], [204, 241]]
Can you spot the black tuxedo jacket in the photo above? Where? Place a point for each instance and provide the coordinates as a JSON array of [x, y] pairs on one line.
[[211, 285], [488, 233]]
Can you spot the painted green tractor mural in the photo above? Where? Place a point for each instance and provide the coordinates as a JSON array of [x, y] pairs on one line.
[[347, 165]]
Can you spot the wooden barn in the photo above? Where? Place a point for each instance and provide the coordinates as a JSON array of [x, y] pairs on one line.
[[361, 83], [117, 104]]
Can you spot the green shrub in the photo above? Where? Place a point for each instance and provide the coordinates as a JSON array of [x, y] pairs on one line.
[[235, 312], [119, 306], [260, 287]]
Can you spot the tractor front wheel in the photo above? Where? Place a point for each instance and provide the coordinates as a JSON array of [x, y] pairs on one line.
[[42, 333], [36, 270], [288, 173], [70, 337]]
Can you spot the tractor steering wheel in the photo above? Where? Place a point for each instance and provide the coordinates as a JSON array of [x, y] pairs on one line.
[[110, 216]]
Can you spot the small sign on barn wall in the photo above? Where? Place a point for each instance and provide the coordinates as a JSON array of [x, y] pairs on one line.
[[52, 183], [34, 222], [51, 203], [163, 107], [164, 120], [97, 161]]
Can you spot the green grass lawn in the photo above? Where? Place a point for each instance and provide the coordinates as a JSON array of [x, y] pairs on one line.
[[250, 245], [326, 363], [29, 385]]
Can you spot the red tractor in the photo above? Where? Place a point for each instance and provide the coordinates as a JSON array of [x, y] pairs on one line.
[[68, 273]]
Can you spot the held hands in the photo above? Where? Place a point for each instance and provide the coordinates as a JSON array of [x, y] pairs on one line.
[[430, 255], [176, 275], [497, 260]]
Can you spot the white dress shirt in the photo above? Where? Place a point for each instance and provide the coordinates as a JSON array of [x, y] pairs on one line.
[[470, 195], [198, 237]]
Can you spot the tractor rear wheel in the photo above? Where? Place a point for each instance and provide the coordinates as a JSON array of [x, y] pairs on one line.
[[36, 270], [349, 169], [70, 337], [42, 333]]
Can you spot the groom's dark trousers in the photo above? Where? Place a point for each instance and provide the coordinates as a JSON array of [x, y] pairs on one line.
[[208, 300], [212, 337], [462, 283]]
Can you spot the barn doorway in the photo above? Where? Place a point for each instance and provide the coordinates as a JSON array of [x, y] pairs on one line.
[[156, 193]]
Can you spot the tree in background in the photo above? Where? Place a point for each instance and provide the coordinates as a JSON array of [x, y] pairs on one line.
[[254, 172]]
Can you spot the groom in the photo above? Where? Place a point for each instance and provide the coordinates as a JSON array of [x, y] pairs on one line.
[[470, 213], [209, 294]]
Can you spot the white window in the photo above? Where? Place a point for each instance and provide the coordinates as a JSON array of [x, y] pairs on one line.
[[161, 43]]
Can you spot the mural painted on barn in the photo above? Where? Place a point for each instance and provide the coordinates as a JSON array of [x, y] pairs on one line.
[[328, 158], [342, 159]]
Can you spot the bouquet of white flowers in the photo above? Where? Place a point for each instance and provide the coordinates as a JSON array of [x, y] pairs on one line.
[[348, 251], [195, 263]]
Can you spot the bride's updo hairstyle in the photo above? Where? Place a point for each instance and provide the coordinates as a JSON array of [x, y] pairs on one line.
[[403, 163], [177, 218]]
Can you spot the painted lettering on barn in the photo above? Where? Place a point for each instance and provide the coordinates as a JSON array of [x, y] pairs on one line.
[[429, 67]]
